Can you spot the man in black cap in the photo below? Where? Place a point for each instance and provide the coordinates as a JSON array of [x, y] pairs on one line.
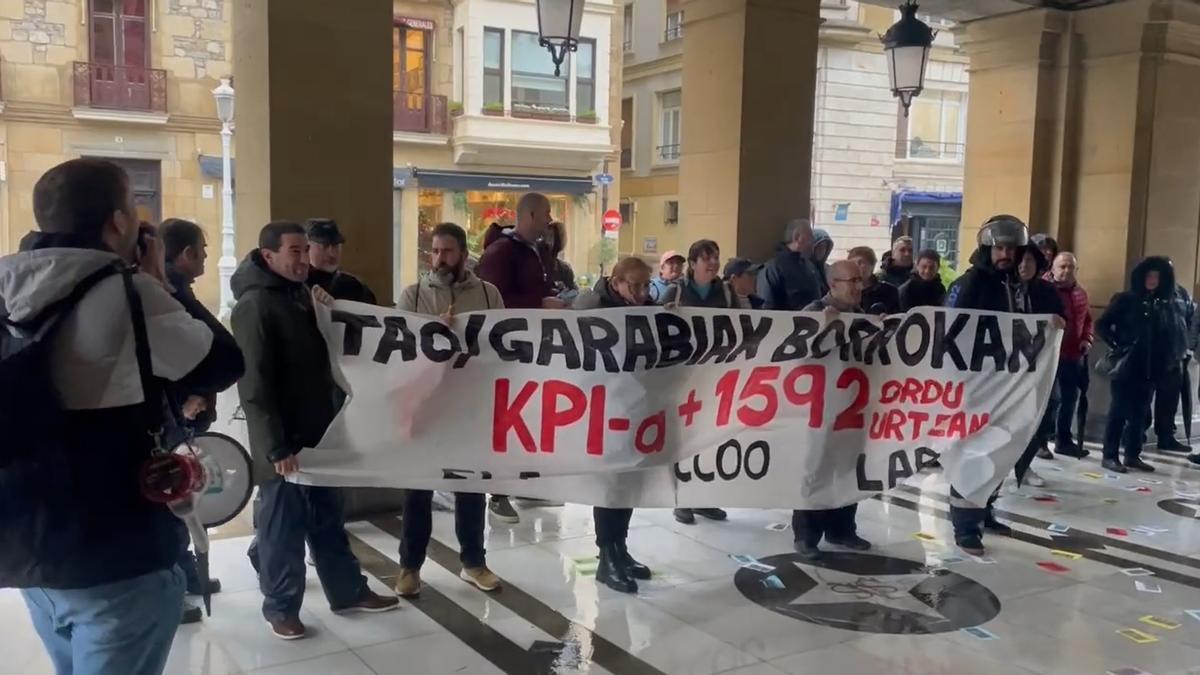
[[741, 274], [325, 261]]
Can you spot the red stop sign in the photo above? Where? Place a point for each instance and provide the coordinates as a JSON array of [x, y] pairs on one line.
[[612, 220]]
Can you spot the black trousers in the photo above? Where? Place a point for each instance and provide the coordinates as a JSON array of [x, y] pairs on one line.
[[612, 525], [417, 527], [1167, 390], [810, 525], [1127, 417], [285, 515], [1069, 385]]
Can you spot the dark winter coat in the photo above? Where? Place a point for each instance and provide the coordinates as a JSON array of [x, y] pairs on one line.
[[881, 298], [341, 285], [74, 517], [602, 296], [515, 267], [985, 287], [891, 273], [916, 292], [181, 290], [824, 301], [288, 394], [1147, 326], [790, 281]]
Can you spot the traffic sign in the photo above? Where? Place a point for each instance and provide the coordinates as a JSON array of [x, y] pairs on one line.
[[611, 223], [604, 179]]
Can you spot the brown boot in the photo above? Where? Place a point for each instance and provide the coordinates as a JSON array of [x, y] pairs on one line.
[[409, 583], [289, 628], [372, 603]]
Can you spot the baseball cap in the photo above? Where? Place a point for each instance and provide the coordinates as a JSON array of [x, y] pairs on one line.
[[739, 266], [324, 231], [669, 256]]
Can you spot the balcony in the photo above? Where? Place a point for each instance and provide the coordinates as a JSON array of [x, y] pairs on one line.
[[414, 115], [668, 153], [930, 151], [105, 91], [673, 33]]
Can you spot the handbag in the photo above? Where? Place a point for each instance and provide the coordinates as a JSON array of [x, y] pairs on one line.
[[1115, 364]]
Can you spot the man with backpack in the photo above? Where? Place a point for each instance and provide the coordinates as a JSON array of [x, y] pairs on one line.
[[87, 339]]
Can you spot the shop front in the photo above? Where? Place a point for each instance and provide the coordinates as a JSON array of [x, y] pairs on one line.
[[426, 197]]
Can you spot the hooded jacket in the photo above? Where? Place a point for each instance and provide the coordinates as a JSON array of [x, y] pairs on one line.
[[341, 285], [985, 287], [658, 288], [1148, 325], [431, 295], [288, 393], [75, 517], [602, 296], [790, 280], [916, 292], [1043, 297], [515, 267], [891, 273]]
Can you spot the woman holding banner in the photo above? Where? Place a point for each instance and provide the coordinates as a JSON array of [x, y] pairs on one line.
[[702, 287], [629, 286]]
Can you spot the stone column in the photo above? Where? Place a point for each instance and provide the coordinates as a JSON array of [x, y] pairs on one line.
[[1087, 124], [314, 123], [749, 80]]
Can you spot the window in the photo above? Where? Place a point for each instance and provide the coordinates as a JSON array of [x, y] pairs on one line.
[[671, 212], [118, 33], [629, 27], [934, 128], [460, 75], [535, 89], [627, 133], [493, 68], [410, 77], [674, 20], [145, 182], [585, 78], [670, 105]]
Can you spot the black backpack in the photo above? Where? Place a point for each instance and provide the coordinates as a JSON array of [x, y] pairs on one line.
[[31, 410]]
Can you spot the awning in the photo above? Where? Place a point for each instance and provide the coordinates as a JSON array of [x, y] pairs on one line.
[[903, 197], [466, 180]]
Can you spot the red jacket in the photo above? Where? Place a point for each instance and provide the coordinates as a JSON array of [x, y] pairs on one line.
[[1079, 321], [515, 268]]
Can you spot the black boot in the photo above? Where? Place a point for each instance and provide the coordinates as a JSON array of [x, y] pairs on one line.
[[1172, 445], [633, 568], [807, 551], [1114, 465], [611, 573]]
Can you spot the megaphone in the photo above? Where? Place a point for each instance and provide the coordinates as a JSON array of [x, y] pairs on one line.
[[205, 481]]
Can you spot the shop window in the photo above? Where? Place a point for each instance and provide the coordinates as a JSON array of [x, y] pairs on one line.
[[935, 127], [535, 88]]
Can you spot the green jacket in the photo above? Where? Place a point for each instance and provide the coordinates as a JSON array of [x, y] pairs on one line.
[[288, 393]]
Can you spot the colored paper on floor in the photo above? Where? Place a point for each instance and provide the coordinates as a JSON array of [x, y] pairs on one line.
[[1143, 489], [1194, 613], [1116, 531], [1143, 530], [1045, 498], [1128, 671], [924, 537], [1150, 481], [774, 582], [777, 527], [950, 559], [980, 633], [1056, 469], [1093, 476], [1110, 500], [1137, 636], [1137, 572], [1054, 567], [1066, 554], [743, 559], [1160, 622], [759, 567], [1146, 587], [1058, 529], [1111, 476], [984, 560]]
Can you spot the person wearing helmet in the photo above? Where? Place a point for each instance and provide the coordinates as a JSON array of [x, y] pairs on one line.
[[991, 284]]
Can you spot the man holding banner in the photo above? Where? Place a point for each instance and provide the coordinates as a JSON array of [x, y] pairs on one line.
[[448, 288]]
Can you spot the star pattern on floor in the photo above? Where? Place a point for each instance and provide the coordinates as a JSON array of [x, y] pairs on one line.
[[892, 590]]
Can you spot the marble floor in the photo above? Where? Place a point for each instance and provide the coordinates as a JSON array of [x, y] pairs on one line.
[[1048, 602]]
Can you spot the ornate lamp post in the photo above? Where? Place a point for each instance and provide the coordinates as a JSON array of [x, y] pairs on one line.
[[558, 28], [228, 262], [907, 45]]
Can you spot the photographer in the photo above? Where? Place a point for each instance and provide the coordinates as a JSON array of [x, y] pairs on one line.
[[94, 559]]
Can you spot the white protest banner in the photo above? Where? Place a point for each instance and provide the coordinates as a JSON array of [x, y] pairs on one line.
[[691, 407]]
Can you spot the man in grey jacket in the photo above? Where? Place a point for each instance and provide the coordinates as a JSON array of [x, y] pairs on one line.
[[448, 288]]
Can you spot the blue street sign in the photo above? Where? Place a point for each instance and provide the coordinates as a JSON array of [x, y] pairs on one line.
[[604, 179]]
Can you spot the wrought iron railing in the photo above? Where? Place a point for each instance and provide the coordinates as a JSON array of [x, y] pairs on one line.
[[105, 85], [420, 113]]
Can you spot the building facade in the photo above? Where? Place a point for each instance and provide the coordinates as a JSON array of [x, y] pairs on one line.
[[875, 171], [481, 118], [126, 80]]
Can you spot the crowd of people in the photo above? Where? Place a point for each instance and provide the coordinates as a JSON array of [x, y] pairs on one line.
[[102, 304]]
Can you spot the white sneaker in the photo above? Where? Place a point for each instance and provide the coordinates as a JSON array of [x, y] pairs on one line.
[[1034, 480]]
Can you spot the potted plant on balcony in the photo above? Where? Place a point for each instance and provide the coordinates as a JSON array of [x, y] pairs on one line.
[[456, 108], [493, 109], [586, 117]]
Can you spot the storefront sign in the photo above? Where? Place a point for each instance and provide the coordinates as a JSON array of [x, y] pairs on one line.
[[419, 24], [691, 407]]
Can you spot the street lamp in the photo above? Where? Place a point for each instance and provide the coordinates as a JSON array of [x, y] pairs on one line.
[[907, 45], [559, 22], [228, 262]]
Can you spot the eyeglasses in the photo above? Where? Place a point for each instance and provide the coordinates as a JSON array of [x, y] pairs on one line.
[[851, 280]]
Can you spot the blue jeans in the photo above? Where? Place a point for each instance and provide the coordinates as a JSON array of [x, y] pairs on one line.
[[123, 628]]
